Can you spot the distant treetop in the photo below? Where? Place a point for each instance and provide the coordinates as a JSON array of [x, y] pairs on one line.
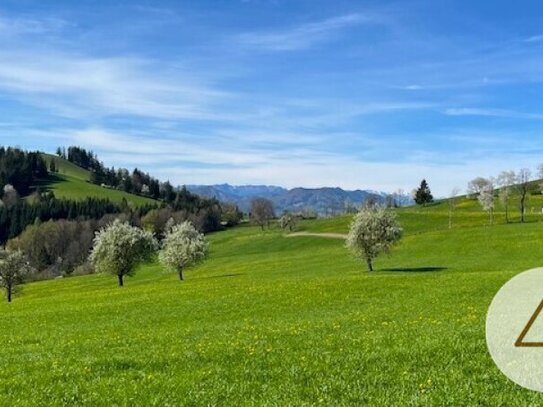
[[423, 195]]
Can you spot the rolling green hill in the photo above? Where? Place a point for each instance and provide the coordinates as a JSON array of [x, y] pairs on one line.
[[278, 320], [72, 182]]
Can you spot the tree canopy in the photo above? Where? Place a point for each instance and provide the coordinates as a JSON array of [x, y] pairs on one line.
[[423, 195], [119, 247], [373, 231], [182, 247]]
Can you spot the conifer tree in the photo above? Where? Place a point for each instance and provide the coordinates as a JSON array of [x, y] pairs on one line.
[[423, 195]]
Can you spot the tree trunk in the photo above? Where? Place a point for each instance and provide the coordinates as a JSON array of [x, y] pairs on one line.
[[370, 265], [506, 215], [120, 278], [181, 274], [522, 206], [8, 289]]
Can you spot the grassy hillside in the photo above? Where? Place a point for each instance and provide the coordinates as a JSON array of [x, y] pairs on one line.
[[435, 217], [71, 182], [278, 320]]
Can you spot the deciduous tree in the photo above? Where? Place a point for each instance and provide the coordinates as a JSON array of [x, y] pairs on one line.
[[13, 269], [261, 211], [523, 183], [182, 247], [476, 185], [486, 199], [505, 181], [373, 231], [287, 221], [119, 247]]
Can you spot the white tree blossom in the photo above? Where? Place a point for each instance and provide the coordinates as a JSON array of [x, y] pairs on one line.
[[182, 247], [10, 195], [373, 231], [14, 267], [476, 185], [287, 221], [119, 247], [486, 199]]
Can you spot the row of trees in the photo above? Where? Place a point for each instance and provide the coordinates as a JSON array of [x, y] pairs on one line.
[[61, 247], [505, 186], [17, 214], [20, 169], [117, 249], [120, 247], [135, 182]]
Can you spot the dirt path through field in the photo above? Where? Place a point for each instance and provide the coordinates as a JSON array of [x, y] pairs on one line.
[[327, 235]]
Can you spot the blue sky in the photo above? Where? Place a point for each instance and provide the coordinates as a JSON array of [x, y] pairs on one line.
[[295, 93]]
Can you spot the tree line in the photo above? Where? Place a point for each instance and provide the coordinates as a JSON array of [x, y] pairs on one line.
[[504, 187], [20, 169], [116, 248], [15, 216], [135, 182]]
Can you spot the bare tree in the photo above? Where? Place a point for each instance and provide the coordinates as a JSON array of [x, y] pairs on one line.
[[505, 181], [523, 182], [540, 175], [261, 212], [453, 197]]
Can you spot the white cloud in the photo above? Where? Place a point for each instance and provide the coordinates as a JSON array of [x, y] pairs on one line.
[[73, 84], [534, 38], [32, 26], [183, 159], [468, 111], [303, 36]]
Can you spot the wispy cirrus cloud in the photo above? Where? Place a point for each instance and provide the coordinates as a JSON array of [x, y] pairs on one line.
[[469, 111], [304, 35], [27, 25], [76, 85], [534, 38]]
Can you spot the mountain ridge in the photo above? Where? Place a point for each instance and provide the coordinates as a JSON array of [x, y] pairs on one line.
[[323, 200]]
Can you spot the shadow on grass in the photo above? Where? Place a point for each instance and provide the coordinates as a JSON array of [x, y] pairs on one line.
[[46, 184], [415, 269], [222, 276]]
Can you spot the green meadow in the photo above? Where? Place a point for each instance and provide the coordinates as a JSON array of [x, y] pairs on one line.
[[276, 320], [72, 182]]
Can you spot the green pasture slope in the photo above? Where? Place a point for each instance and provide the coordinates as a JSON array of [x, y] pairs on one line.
[[71, 182], [275, 320]]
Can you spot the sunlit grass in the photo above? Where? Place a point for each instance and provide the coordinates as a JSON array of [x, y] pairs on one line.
[[72, 182], [275, 320]]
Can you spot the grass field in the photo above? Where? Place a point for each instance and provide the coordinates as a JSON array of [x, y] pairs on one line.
[[276, 321], [72, 182]]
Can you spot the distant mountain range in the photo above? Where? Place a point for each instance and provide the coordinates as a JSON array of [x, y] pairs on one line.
[[324, 201]]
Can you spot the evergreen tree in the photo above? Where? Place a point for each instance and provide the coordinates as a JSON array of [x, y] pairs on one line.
[[423, 195]]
